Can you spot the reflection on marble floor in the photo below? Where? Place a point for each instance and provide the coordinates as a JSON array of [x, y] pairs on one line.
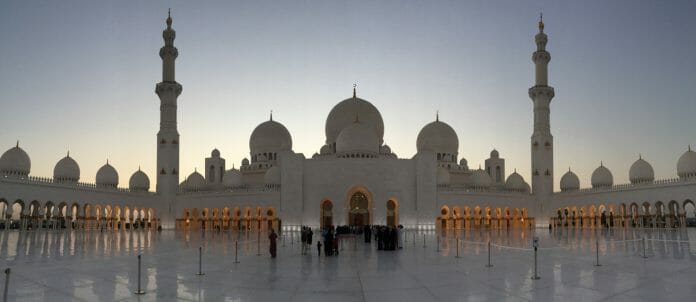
[[49, 265]]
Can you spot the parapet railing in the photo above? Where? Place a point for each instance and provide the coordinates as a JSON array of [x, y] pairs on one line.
[[629, 186], [67, 184], [479, 189], [237, 189]]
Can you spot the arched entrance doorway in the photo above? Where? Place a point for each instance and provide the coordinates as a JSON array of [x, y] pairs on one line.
[[326, 213], [359, 212], [392, 213]]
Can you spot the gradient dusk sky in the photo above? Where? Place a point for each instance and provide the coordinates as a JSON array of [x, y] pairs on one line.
[[80, 76]]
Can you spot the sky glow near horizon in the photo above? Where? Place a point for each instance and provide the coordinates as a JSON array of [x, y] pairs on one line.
[[80, 76]]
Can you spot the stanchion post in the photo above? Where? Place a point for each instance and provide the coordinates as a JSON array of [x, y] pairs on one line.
[[236, 246], [283, 240], [535, 243], [414, 239], [200, 261], [644, 256], [140, 291], [597, 249], [258, 245], [7, 284], [489, 255], [457, 247]]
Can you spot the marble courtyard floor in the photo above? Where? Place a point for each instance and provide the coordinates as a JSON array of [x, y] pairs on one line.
[[50, 265]]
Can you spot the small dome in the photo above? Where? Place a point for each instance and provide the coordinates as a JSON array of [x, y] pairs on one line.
[[495, 154], [686, 166], [232, 178], [270, 137], [570, 181], [215, 153], [602, 177], [385, 149], [325, 149], [358, 137], [66, 171], [515, 182], [438, 137], [272, 176], [15, 162], [107, 176], [343, 115], [443, 176], [194, 182], [463, 163], [641, 172], [139, 181], [480, 179], [245, 162]]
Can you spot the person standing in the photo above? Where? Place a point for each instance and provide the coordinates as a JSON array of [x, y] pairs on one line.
[[272, 247], [309, 237], [303, 239]]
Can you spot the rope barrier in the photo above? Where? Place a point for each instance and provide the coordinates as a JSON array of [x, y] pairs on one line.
[[668, 240], [511, 247]]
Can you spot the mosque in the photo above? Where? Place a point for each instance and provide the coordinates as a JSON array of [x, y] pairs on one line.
[[354, 179]]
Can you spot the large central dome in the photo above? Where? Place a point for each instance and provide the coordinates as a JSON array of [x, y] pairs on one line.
[[270, 137], [344, 113]]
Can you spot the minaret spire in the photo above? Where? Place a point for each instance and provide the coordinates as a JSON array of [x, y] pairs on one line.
[[542, 140], [168, 142]]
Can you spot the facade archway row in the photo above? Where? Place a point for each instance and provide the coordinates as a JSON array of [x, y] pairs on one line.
[[640, 214], [20, 214], [456, 216], [238, 217]]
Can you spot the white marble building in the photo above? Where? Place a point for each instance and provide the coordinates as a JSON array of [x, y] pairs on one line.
[[354, 179]]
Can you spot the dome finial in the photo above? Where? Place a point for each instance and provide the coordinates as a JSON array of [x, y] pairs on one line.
[[689, 145], [271, 114], [541, 22], [138, 167], [354, 94], [515, 170], [17, 146], [169, 18], [68, 153], [437, 115], [640, 156], [568, 168], [601, 163], [107, 161]]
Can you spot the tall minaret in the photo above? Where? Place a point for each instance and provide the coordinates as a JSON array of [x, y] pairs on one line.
[[168, 137], [542, 140]]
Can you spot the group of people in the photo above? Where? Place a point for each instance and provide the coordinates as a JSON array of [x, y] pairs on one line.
[[330, 238], [388, 238]]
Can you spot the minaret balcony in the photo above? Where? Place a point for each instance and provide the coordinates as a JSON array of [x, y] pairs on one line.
[[168, 87], [541, 91]]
